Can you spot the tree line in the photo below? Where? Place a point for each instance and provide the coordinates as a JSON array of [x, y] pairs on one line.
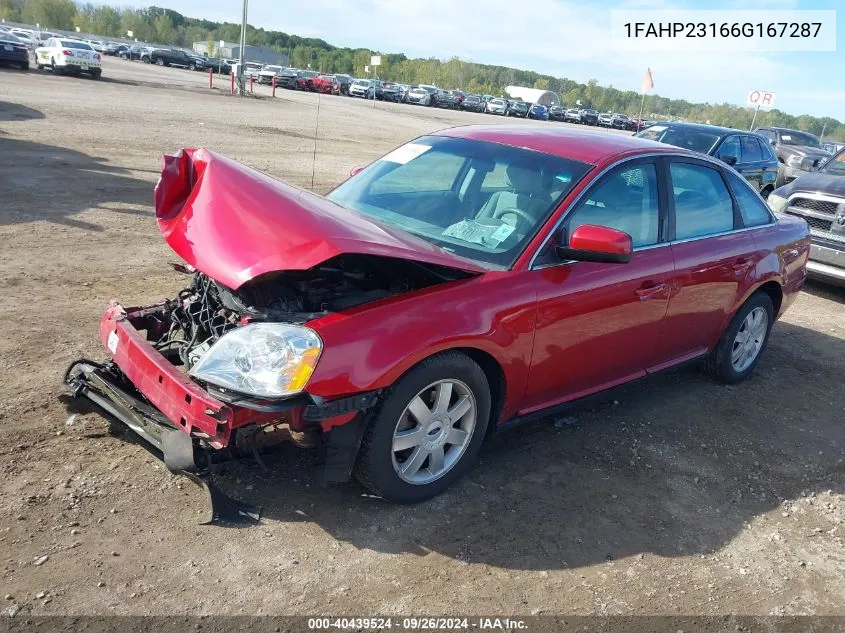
[[165, 26]]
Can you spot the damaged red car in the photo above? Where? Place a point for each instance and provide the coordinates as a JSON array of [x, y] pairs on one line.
[[472, 278], [325, 84]]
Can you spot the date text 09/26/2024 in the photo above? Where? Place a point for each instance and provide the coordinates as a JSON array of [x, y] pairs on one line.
[[417, 624]]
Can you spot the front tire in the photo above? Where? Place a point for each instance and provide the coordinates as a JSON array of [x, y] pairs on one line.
[[427, 431], [738, 351]]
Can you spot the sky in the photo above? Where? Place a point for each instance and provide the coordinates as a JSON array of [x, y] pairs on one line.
[[563, 38]]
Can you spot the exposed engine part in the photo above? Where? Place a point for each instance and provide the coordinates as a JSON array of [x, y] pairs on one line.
[[206, 310], [257, 438]]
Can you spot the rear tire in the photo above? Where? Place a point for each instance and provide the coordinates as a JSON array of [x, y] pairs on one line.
[[25, 66], [380, 461], [727, 363], [56, 70], [96, 74], [766, 191]]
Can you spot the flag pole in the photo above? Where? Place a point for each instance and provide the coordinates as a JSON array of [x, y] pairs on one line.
[[754, 118], [640, 118]]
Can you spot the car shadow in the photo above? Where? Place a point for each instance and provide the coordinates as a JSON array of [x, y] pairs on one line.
[[674, 465], [43, 182], [17, 112], [825, 290]]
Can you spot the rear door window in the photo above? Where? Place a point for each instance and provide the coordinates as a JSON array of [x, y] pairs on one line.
[[703, 205], [751, 150]]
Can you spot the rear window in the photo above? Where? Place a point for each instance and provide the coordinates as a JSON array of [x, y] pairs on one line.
[[8, 37], [78, 45], [793, 137], [687, 138]]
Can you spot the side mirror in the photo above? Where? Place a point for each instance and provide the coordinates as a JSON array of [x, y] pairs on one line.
[[355, 170], [591, 243], [730, 160]]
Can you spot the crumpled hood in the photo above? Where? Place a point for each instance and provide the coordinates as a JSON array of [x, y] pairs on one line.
[[234, 223]]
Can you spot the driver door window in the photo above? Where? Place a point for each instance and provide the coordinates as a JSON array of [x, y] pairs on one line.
[[626, 201], [730, 149]]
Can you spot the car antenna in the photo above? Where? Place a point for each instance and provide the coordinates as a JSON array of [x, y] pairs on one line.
[[316, 130]]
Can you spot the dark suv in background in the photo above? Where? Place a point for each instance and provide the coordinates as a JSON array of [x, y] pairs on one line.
[[798, 152], [750, 154], [170, 57], [819, 198]]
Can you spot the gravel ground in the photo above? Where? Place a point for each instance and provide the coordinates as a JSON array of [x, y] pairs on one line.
[[673, 496]]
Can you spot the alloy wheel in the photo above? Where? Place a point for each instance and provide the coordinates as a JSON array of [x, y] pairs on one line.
[[434, 431], [749, 339]]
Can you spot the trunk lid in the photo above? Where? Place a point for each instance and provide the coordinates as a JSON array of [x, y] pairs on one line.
[[234, 223]]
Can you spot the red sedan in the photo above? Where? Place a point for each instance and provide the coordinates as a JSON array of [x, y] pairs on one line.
[[325, 84], [471, 278]]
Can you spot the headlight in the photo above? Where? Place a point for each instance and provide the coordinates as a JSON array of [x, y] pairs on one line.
[[776, 203], [794, 161], [268, 360]]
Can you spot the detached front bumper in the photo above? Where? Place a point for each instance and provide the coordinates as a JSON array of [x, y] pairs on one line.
[[159, 402]]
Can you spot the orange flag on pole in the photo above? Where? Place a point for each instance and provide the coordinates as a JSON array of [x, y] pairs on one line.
[[648, 83]]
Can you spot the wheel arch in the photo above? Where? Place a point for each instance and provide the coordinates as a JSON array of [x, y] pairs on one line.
[[495, 374], [775, 292]]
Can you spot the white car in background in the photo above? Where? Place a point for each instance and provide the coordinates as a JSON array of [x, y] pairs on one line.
[[419, 96], [28, 37], [97, 45], [497, 106], [64, 56]]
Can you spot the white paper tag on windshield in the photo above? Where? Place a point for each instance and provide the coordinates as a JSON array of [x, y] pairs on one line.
[[406, 153], [469, 231], [786, 137], [656, 128], [500, 235]]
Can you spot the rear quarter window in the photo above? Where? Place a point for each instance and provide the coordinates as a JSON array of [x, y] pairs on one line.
[[751, 208]]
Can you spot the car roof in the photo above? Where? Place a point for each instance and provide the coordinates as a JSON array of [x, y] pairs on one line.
[[581, 145], [782, 129]]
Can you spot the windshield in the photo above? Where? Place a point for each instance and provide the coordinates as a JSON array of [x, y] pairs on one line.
[[688, 138], [361, 82], [799, 138], [483, 201], [497, 102], [273, 69], [835, 165]]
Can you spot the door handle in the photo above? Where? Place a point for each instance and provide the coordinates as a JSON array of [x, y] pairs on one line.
[[649, 290]]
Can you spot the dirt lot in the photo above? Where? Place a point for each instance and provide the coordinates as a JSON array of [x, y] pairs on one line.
[[674, 496]]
